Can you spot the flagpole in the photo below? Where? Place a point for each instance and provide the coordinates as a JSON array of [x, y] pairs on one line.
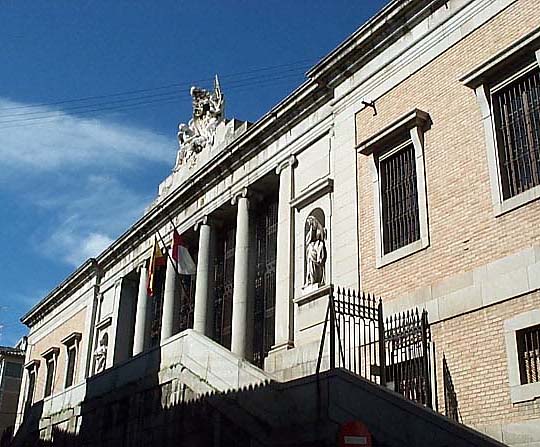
[[171, 260], [160, 206], [168, 254], [168, 217]]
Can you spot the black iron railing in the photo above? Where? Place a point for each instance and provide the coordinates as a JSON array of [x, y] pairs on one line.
[[394, 353], [407, 341]]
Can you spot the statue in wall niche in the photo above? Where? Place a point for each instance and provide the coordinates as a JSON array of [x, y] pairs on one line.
[[315, 252], [100, 354], [199, 133]]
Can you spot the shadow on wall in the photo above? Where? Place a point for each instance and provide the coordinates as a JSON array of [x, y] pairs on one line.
[[451, 404], [306, 412], [146, 412]]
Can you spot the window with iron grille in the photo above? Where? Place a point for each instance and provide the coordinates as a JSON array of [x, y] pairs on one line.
[[396, 161], [31, 388], [528, 346], [13, 370], [49, 380], [516, 110], [399, 198], [71, 362]]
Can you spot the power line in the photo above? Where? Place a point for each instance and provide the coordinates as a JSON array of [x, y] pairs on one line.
[[301, 64], [136, 105], [165, 95]]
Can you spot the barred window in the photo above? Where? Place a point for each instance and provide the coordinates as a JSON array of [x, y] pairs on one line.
[[517, 127], [49, 380], [71, 362], [528, 346], [13, 370], [399, 198]]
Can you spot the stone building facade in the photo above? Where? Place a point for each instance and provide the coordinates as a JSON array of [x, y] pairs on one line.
[[11, 371], [474, 265], [275, 212]]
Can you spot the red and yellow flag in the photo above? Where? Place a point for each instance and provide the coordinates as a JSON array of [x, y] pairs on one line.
[[158, 259]]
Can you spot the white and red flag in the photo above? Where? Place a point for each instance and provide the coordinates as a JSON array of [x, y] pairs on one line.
[[184, 262]]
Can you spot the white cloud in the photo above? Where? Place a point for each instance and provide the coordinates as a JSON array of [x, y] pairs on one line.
[[75, 173], [69, 140], [88, 218]]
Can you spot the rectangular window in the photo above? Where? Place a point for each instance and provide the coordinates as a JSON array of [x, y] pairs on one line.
[[49, 381], [528, 347], [31, 386], [13, 370], [396, 162], [71, 361], [517, 127], [399, 198]]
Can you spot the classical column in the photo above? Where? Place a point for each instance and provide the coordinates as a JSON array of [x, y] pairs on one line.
[[167, 319], [143, 307], [202, 285], [284, 257], [241, 271]]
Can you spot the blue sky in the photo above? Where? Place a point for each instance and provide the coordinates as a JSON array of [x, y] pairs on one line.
[[91, 94]]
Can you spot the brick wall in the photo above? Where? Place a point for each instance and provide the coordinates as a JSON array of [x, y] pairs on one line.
[[464, 233], [54, 339], [475, 351]]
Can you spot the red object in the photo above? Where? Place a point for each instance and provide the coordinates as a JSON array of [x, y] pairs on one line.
[[177, 241], [353, 434], [158, 260]]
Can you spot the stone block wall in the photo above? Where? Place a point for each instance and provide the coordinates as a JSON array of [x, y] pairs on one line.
[[54, 338], [475, 351], [479, 270]]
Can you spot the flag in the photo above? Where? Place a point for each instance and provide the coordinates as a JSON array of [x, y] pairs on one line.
[[184, 262], [158, 259]]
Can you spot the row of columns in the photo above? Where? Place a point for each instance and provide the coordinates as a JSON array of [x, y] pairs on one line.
[[202, 287], [202, 315]]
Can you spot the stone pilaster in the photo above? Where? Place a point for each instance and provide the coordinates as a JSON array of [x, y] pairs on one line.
[[284, 328]]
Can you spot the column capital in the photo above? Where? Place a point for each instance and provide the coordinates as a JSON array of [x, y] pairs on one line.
[[291, 161], [205, 220], [143, 264], [242, 194]]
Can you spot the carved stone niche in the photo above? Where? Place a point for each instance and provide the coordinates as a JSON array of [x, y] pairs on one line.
[[315, 253], [102, 346]]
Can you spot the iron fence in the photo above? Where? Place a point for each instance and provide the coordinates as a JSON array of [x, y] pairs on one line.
[[394, 353]]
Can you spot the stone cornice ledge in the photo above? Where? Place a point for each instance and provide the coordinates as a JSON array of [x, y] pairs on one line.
[[322, 291], [415, 118], [312, 192], [104, 323], [71, 338], [380, 31]]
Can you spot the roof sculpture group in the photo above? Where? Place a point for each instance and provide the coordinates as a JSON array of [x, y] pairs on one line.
[[199, 133]]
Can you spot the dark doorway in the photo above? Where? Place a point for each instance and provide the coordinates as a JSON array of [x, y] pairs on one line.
[[265, 279], [223, 285], [157, 305]]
